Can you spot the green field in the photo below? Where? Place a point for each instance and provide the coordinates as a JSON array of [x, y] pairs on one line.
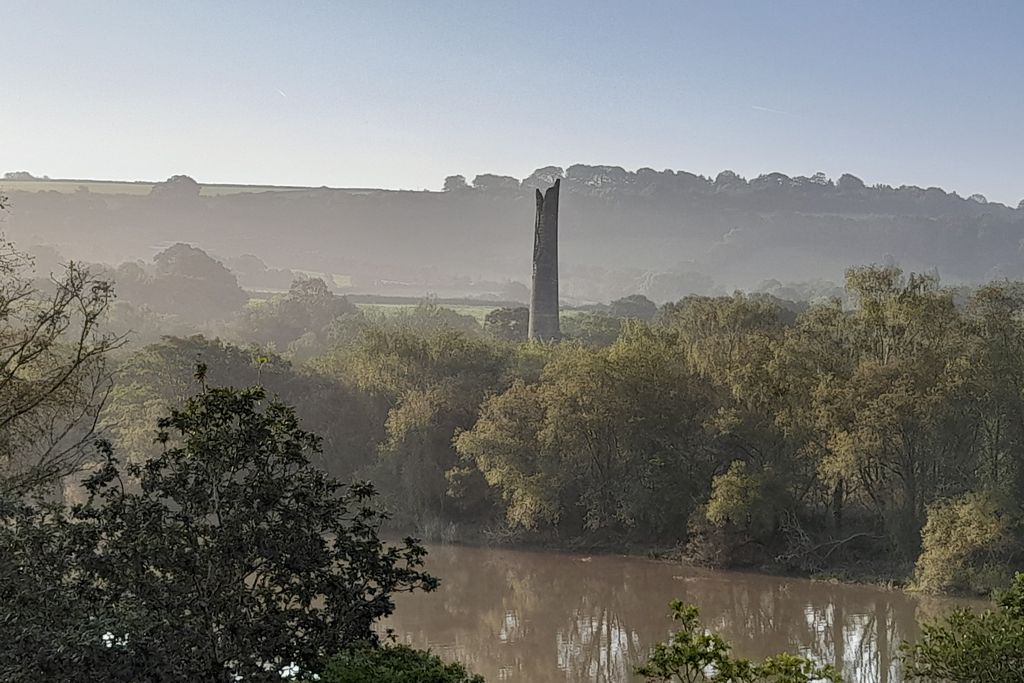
[[336, 279], [477, 312]]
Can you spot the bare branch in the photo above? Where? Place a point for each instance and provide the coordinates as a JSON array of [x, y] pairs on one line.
[[54, 378]]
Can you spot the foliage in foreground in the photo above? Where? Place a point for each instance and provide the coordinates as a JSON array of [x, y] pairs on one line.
[[693, 654], [395, 664], [968, 646], [232, 557]]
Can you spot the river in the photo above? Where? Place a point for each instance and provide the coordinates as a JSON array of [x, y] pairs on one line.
[[545, 617]]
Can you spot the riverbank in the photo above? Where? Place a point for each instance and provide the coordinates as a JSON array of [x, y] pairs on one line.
[[883, 573]]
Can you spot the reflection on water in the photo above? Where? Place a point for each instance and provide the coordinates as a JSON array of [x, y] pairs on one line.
[[535, 617]]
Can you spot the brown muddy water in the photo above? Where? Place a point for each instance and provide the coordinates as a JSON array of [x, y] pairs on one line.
[[541, 617]]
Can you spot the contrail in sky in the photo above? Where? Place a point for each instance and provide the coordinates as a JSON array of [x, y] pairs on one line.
[[768, 109]]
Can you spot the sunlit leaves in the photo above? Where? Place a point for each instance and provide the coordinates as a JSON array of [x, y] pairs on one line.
[[694, 655]]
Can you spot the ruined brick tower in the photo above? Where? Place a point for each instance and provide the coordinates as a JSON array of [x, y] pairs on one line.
[[544, 293]]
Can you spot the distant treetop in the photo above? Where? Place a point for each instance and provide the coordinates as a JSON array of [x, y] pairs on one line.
[[604, 180], [455, 182], [489, 181], [543, 177], [23, 175], [176, 186]]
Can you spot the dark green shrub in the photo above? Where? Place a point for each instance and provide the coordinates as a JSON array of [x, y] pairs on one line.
[[396, 664], [232, 558]]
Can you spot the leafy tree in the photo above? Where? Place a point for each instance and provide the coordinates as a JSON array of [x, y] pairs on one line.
[[894, 428], [54, 375], [719, 334], [694, 654], [966, 543], [183, 281], [453, 183], [19, 175], [490, 182], [591, 329], [607, 440], [751, 502], [848, 182], [734, 344], [309, 308], [810, 358], [508, 324], [966, 646], [234, 559], [995, 319], [634, 306], [429, 389], [190, 283], [543, 178], [176, 187], [393, 664], [505, 444]]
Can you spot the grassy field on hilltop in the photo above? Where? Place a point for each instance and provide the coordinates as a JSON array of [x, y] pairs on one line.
[[137, 188], [69, 186]]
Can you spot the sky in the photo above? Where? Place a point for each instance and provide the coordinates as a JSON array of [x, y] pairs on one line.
[[402, 94]]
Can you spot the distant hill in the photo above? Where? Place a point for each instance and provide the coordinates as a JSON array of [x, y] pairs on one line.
[[662, 233], [69, 185]]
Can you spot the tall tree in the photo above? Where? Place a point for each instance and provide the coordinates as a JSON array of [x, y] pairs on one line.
[[898, 431], [54, 376]]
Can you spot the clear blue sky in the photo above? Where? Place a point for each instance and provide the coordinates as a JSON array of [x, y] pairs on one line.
[[400, 94]]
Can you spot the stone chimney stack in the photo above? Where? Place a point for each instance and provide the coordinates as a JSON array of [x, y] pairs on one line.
[[544, 294]]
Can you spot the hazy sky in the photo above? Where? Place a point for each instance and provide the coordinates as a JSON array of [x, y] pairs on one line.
[[401, 94]]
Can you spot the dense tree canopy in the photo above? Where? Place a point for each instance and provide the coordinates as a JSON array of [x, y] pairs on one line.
[[604, 440], [748, 429]]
